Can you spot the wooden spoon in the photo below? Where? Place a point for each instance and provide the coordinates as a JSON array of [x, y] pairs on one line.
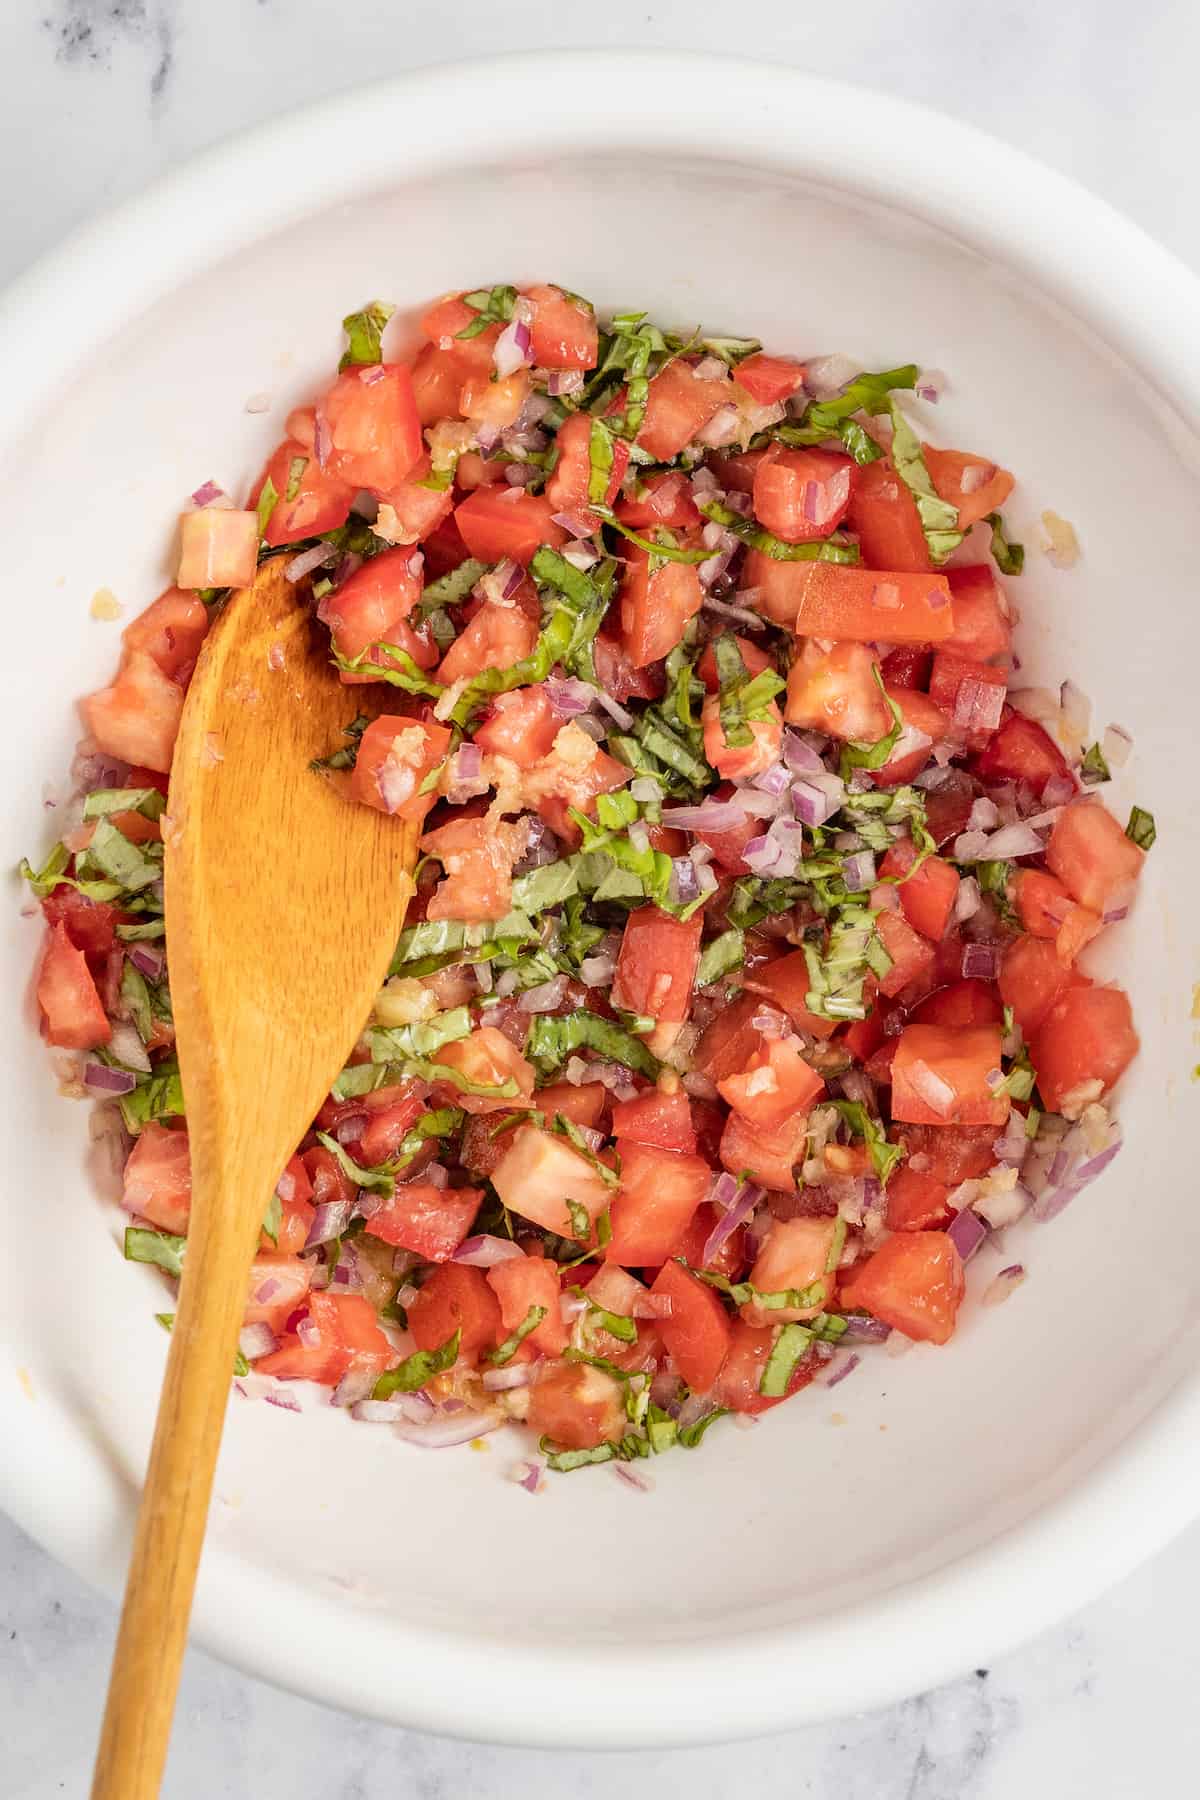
[[283, 906]]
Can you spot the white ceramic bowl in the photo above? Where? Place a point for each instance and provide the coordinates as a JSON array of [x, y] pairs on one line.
[[857, 1545]]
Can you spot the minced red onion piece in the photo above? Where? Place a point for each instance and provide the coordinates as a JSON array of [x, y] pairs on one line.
[[445, 1432], [737, 615], [377, 1412], [616, 712], [576, 525], [569, 696], [1010, 1147], [800, 756], [888, 898], [735, 1214], [514, 347], [355, 1386], [484, 1252], [146, 961], [699, 1086], [838, 1371], [597, 971], [256, 1340], [630, 1477], [571, 1307], [330, 1219], [826, 376], [684, 884], [299, 566], [208, 492], [1004, 1284], [285, 1402], [516, 1375], [935, 1092], [773, 780], [862, 1328], [980, 962], [128, 1047], [592, 728], [1116, 746], [858, 871], [772, 1024], [984, 815], [309, 1333], [103, 1080], [564, 381], [816, 798], [639, 837], [764, 855], [966, 1232], [580, 557], [1013, 841], [966, 901]]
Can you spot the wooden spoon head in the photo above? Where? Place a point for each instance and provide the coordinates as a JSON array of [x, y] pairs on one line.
[[283, 902]]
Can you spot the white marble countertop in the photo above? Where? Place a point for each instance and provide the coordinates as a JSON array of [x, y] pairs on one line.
[[101, 95]]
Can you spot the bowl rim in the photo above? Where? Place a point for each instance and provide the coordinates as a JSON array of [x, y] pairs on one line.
[[999, 201]]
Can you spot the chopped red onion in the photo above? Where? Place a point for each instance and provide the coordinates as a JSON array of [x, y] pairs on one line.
[[639, 837], [513, 348], [1013, 841], [858, 871], [978, 705], [285, 1187], [485, 1252], [737, 1211], [1076, 708], [1010, 1147], [737, 615], [764, 855], [826, 376], [1115, 746], [597, 971], [966, 901], [576, 525], [684, 884], [351, 1130], [721, 430], [984, 815], [208, 492], [862, 1328], [146, 961], [800, 756], [580, 557], [839, 1369], [966, 1232], [773, 780], [699, 1086], [545, 997], [637, 1479], [816, 798], [516, 1375], [935, 1092], [980, 962], [313, 558], [355, 1386], [330, 1219], [931, 384], [446, 1431], [1004, 1284], [128, 1047], [103, 1080], [569, 696], [256, 1340], [564, 381], [616, 712], [285, 1402], [377, 1412], [309, 1333]]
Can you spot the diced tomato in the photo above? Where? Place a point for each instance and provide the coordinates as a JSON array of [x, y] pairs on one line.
[[982, 630], [836, 600], [678, 406], [769, 379], [885, 517], [431, 1220], [309, 498], [914, 1283], [912, 955], [480, 1151], [416, 641], [917, 1202], [654, 608], [785, 981], [443, 549], [568, 487], [660, 1190], [768, 1156], [738, 762], [442, 322], [950, 1153], [137, 718], [1022, 751], [499, 522], [365, 609], [968, 1002], [438, 376], [1047, 910], [539, 1172], [927, 897], [970, 483], [394, 757], [90, 925], [730, 1040], [456, 1298], [496, 637], [72, 1012], [1092, 856], [279, 1286], [296, 1212], [524, 1282], [487, 1059], [158, 1179], [478, 864], [218, 547], [573, 775], [374, 434], [1087, 1035], [835, 691], [577, 1406], [907, 667], [736, 473], [731, 1257], [970, 693], [391, 1114], [948, 807], [919, 713], [664, 498], [171, 630], [802, 495], [774, 1086], [330, 1182], [419, 509], [563, 333], [347, 1335], [617, 675], [1032, 977], [939, 1076], [750, 1349], [727, 846], [583, 1105], [658, 1118], [473, 471], [794, 1254], [754, 658], [697, 1332], [522, 725], [495, 401], [656, 969]]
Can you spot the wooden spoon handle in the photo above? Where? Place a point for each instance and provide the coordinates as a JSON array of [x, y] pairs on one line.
[[179, 1478]]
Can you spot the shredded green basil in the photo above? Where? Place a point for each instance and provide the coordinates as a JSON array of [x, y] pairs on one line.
[[364, 330], [417, 1369]]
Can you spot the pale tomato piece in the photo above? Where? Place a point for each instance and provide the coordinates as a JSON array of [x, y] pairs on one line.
[[137, 718]]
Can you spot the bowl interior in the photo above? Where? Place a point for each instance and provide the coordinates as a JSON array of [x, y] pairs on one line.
[[842, 1497]]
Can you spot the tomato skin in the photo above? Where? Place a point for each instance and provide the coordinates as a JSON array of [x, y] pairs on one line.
[[576, 1406], [657, 1118], [374, 434], [91, 925], [495, 638], [488, 1059], [843, 602], [679, 404], [496, 523], [730, 1259], [539, 1172], [171, 630], [884, 514], [769, 379], [982, 630], [320, 502], [802, 495], [926, 898], [136, 719], [659, 1193], [655, 608], [917, 1202], [914, 1282], [158, 1179], [431, 1220], [971, 694], [394, 757], [528, 1281], [786, 982], [1086, 1035], [698, 1330], [767, 1156], [567, 488], [749, 1351], [656, 965], [72, 1012], [667, 501], [1091, 855], [563, 332], [522, 725], [738, 762], [774, 1086], [367, 606], [456, 1298], [969, 1002], [947, 471], [960, 1059], [793, 1255], [913, 956], [1022, 751]]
